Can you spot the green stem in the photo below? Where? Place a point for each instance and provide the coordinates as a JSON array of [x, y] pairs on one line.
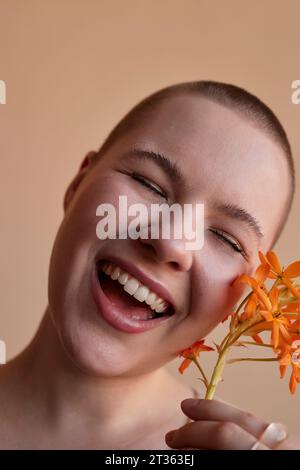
[[220, 364], [217, 373], [224, 341], [243, 302], [263, 359], [236, 312], [201, 372], [275, 284], [258, 344]]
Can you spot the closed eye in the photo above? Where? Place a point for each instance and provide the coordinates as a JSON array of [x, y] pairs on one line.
[[228, 241], [148, 184]]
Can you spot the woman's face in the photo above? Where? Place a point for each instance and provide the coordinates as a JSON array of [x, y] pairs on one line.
[[222, 159]]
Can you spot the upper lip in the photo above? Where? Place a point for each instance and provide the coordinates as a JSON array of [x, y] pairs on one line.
[[155, 286]]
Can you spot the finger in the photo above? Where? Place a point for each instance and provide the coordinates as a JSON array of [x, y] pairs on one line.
[[212, 435], [213, 410]]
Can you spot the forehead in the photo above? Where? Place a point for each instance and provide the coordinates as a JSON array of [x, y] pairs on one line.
[[220, 153]]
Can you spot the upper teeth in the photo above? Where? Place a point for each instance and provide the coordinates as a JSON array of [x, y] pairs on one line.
[[135, 288]]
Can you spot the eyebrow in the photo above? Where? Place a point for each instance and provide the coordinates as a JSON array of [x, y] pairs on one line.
[[169, 167], [234, 212], [230, 210]]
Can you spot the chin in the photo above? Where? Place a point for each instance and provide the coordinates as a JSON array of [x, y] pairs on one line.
[[97, 353], [91, 352]]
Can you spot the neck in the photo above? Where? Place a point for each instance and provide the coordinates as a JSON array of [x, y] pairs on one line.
[[67, 393]]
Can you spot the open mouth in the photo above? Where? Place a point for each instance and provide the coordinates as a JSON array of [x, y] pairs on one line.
[[126, 302]]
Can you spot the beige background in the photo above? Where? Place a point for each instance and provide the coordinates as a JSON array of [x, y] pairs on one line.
[[72, 69]]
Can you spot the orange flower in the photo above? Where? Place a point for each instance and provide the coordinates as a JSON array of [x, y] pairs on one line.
[[250, 307], [260, 275], [279, 322], [295, 378], [257, 284], [275, 310], [289, 355], [191, 353], [277, 271]]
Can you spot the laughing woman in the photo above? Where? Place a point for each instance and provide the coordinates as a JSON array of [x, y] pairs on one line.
[[119, 310]]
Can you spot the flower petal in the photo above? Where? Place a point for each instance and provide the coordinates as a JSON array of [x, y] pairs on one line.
[[262, 272], [292, 307], [257, 339], [273, 295], [251, 305], [245, 278], [292, 383], [293, 270], [184, 365], [258, 328], [292, 288], [263, 258], [267, 315], [285, 334], [282, 370], [275, 333], [274, 261]]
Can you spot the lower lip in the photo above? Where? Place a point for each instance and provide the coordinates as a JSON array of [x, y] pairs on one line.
[[115, 317]]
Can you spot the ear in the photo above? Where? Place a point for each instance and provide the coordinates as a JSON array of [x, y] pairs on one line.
[[83, 169]]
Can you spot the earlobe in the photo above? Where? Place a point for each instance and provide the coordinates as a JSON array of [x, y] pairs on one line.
[[84, 167]]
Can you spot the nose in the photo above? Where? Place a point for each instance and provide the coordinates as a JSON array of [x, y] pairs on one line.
[[172, 252]]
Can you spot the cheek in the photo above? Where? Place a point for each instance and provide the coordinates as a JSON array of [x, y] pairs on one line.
[[76, 242], [78, 230], [74, 246], [213, 295], [207, 312]]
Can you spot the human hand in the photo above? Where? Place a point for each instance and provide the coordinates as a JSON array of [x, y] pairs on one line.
[[219, 426]]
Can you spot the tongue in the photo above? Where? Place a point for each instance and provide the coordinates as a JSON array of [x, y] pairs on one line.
[[124, 301]]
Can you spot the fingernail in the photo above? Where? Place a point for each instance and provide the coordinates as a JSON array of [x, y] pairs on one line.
[[170, 436]]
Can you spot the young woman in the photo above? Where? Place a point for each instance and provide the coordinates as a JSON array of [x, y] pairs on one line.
[[93, 376]]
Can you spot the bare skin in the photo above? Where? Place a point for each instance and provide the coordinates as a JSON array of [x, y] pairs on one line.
[[83, 384], [46, 410]]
